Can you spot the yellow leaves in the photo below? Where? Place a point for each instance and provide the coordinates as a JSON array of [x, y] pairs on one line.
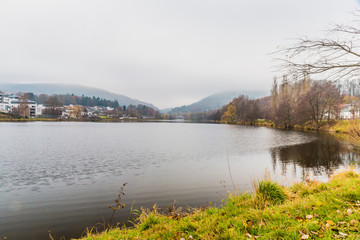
[[329, 223], [155, 208], [229, 115]]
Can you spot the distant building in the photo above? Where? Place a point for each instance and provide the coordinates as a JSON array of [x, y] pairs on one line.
[[65, 114], [39, 109], [10, 102], [349, 111]]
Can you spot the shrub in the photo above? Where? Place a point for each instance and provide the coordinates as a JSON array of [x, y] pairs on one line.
[[270, 192]]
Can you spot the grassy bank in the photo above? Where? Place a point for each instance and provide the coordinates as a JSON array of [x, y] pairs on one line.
[[310, 210], [341, 129], [347, 131], [10, 118], [333, 126], [4, 117]]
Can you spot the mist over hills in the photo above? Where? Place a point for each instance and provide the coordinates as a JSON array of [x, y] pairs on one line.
[[215, 101], [49, 88]]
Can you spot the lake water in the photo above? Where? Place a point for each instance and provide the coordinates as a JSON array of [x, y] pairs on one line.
[[63, 176]]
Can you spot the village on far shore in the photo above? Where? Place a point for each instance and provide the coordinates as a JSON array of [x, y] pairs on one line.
[[19, 105]]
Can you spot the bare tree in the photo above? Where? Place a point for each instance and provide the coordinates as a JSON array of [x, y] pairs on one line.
[[247, 110], [23, 109], [333, 57], [53, 107], [298, 102], [283, 103], [322, 100]]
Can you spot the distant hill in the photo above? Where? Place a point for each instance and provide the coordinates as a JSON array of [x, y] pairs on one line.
[[214, 101], [48, 88]]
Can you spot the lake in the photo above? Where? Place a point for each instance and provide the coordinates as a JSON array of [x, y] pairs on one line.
[[62, 176]]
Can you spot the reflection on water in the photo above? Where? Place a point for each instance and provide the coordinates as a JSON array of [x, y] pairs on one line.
[[319, 158]]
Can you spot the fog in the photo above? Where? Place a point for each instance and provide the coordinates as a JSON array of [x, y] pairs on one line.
[[169, 53]]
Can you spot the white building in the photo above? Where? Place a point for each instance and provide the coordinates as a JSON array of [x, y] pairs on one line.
[[349, 111], [9, 102], [39, 109]]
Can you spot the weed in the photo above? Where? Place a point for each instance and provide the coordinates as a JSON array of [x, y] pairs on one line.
[[231, 178], [174, 212], [50, 236], [148, 220], [134, 214], [117, 203]]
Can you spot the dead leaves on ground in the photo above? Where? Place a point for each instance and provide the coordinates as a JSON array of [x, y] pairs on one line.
[[341, 229]]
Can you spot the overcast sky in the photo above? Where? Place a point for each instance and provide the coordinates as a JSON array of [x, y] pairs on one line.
[[166, 52]]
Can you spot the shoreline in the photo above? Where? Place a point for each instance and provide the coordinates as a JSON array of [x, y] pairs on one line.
[[304, 210]]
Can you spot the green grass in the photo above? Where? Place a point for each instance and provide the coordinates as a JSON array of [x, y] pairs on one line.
[[28, 120], [340, 126], [310, 210], [269, 192], [5, 117]]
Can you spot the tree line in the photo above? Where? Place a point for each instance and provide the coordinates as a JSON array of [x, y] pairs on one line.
[[67, 99], [298, 102], [55, 105], [292, 102]]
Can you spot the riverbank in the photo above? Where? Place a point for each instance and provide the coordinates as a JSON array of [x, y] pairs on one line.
[[333, 126], [341, 129], [10, 118], [303, 211]]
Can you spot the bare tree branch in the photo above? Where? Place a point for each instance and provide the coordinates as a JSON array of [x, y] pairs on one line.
[[335, 57]]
